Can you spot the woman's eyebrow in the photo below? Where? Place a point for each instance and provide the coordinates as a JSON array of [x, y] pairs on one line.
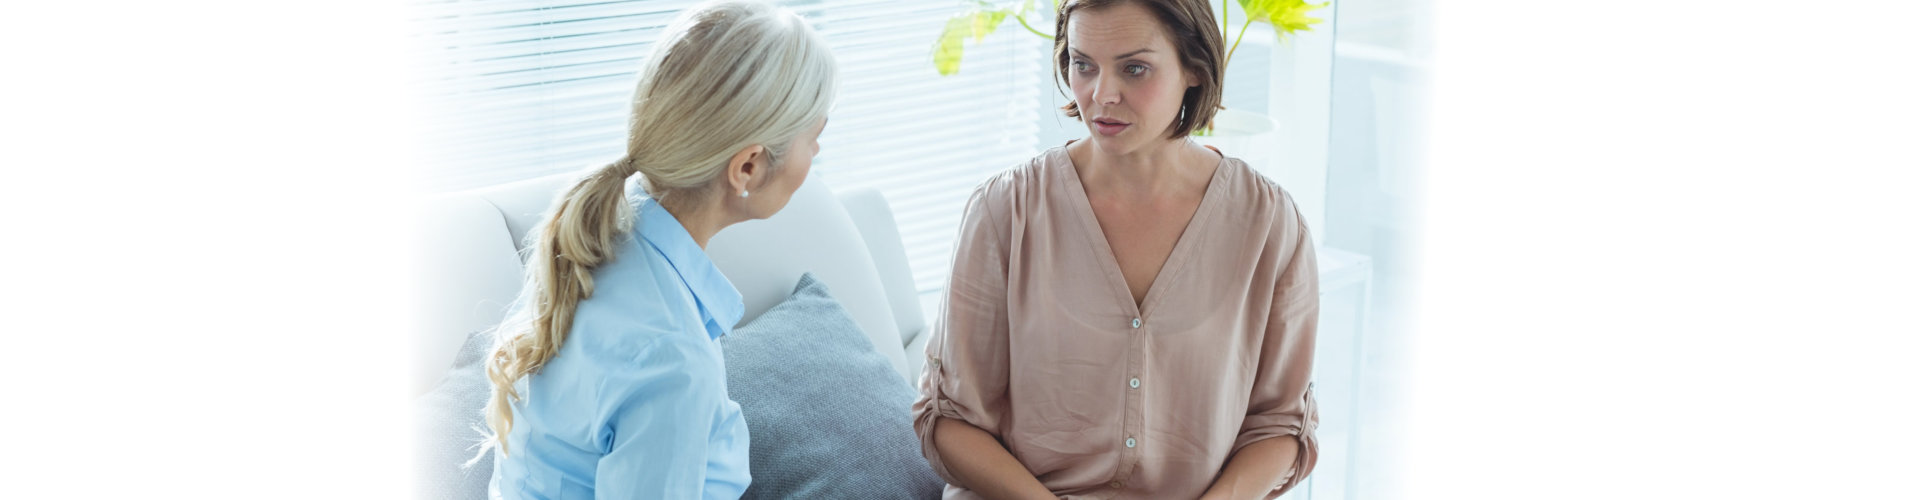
[[1116, 58]]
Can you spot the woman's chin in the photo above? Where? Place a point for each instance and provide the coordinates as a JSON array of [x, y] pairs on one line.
[[1113, 144]]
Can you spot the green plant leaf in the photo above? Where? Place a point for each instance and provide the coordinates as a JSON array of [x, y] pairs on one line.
[[1296, 19], [947, 49], [1286, 16], [975, 24], [985, 21]]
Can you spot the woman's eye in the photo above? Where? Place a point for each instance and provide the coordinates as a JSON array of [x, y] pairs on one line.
[[1080, 66], [1136, 70]]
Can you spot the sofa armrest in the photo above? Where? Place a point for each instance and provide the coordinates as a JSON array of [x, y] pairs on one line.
[[917, 354], [874, 219], [468, 274]]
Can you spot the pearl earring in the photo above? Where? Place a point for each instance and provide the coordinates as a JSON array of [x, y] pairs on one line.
[[743, 193]]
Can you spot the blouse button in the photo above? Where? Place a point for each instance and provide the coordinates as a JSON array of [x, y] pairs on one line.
[[1136, 322], [1129, 442], [1135, 383], [1115, 484]]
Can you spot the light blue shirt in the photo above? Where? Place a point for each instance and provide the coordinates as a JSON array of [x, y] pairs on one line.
[[635, 405]]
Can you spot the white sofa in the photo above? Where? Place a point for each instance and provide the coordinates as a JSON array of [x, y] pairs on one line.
[[471, 269]]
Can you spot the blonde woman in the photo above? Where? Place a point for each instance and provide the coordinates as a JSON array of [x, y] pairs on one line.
[[1130, 315], [607, 380]]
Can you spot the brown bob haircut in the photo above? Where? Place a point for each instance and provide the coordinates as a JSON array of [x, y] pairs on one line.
[[1191, 26]]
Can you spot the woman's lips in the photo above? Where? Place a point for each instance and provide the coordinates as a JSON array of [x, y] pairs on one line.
[[1110, 127]]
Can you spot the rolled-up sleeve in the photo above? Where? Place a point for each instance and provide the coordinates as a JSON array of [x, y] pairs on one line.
[[1282, 400], [967, 362]]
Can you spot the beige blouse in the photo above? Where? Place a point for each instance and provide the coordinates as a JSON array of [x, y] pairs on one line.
[[1042, 345]]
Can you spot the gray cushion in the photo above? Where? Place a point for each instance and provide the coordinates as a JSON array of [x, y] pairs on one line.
[[827, 415], [447, 423]]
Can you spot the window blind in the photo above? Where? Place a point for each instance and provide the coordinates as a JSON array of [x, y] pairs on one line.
[[516, 89]]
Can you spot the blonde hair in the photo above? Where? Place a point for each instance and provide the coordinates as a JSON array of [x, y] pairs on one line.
[[724, 76]]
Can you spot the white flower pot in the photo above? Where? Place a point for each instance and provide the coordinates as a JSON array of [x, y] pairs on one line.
[[1246, 135]]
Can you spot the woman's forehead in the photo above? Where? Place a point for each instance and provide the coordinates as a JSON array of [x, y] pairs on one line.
[[1116, 31]]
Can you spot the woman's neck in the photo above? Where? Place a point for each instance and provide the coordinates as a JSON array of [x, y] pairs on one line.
[[1158, 169], [702, 218]]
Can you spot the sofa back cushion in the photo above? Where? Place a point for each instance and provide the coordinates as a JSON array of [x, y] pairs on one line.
[[763, 258]]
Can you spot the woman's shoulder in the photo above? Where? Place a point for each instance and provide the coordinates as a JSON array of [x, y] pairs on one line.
[[1008, 193], [1256, 197], [1024, 180], [605, 358], [637, 313], [647, 350]]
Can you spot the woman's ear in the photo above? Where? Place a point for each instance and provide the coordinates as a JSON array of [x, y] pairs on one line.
[[745, 165]]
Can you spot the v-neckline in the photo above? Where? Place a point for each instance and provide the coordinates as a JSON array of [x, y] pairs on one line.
[[1176, 259]]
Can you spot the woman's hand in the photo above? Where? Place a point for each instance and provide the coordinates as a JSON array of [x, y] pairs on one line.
[[1256, 470], [981, 464]]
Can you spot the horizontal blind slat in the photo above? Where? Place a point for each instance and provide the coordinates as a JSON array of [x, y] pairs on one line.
[[521, 88]]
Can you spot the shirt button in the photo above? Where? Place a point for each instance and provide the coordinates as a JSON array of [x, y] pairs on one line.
[[1129, 442], [1115, 484], [1135, 383], [1136, 322]]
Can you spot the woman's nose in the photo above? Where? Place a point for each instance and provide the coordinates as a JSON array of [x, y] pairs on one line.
[[1105, 92]]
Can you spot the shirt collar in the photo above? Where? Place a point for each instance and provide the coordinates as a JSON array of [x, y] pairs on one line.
[[719, 301]]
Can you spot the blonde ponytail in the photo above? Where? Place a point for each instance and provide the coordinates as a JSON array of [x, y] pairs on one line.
[[726, 75], [579, 233]]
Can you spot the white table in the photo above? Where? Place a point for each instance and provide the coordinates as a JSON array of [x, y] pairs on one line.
[[1346, 283]]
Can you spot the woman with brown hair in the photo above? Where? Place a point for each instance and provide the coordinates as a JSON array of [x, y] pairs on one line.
[[1130, 315]]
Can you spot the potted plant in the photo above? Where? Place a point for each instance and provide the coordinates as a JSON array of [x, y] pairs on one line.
[[983, 17]]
